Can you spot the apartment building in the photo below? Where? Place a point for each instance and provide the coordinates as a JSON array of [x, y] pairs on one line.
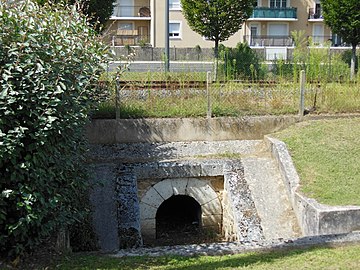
[[140, 22]]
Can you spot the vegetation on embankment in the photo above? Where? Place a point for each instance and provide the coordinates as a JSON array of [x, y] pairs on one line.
[[326, 156], [183, 95]]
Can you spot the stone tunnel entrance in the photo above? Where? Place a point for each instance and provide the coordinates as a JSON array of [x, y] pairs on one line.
[[178, 219], [181, 211]]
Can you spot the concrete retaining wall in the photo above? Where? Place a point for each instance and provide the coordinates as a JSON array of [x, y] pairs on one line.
[[192, 54], [111, 131], [314, 218], [157, 54]]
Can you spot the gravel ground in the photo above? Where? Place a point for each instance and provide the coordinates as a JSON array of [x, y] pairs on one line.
[[223, 248]]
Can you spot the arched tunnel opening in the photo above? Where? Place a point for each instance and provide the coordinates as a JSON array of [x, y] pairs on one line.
[[178, 220]]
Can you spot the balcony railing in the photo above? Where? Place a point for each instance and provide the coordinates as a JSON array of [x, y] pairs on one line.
[[132, 40], [131, 11], [325, 40], [266, 41], [287, 41], [274, 13]]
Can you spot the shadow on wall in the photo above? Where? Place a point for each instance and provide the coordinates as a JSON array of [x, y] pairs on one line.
[[110, 131]]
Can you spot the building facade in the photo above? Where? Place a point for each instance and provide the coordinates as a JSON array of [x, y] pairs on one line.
[[142, 22]]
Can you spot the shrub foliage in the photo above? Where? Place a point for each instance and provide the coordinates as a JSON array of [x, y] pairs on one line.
[[240, 62], [50, 61]]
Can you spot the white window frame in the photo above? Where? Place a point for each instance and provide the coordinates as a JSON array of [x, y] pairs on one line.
[[287, 4], [174, 6], [180, 30]]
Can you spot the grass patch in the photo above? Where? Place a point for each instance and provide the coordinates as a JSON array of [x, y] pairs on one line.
[[326, 156], [313, 258]]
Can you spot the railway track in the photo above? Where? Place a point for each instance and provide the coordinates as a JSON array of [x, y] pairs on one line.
[[176, 85]]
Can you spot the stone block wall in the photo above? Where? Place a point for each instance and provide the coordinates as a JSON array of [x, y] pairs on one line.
[[126, 198]]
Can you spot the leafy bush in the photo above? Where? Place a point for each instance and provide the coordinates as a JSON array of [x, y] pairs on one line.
[[50, 61], [240, 62]]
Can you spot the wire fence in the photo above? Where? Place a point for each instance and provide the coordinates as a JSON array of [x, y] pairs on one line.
[[211, 99], [198, 98]]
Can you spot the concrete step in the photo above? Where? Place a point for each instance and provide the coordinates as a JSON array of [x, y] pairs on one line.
[[278, 220]]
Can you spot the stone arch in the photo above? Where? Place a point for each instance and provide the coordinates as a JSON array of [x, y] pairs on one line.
[[198, 189]]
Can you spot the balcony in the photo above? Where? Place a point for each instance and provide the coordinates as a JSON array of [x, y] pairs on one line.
[[268, 41], [129, 37], [265, 13], [121, 11]]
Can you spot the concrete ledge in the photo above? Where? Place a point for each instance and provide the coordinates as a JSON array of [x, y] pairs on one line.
[[111, 131], [314, 218], [178, 169]]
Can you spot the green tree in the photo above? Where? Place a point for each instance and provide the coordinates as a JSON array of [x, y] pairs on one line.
[[50, 63], [217, 20], [98, 11], [343, 17]]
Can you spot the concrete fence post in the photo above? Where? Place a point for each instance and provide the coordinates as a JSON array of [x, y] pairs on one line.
[[302, 94], [208, 92], [117, 99]]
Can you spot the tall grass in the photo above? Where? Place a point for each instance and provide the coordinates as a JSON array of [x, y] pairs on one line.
[[233, 99]]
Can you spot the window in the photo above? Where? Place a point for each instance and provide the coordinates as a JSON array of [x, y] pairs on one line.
[[124, 8], [174, 4], [318, 34], [254, 29], [174, 29], [278, 3], [255, 40], [318, 11], [278, 29]]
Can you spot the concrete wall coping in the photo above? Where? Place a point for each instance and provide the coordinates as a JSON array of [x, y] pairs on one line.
[[112, 131], [314, 218]]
